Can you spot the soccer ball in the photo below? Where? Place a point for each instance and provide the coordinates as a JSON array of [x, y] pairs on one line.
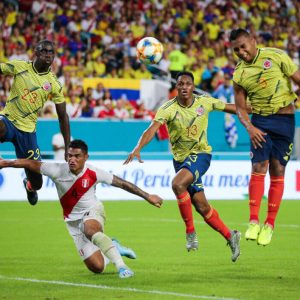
[[149, 50]]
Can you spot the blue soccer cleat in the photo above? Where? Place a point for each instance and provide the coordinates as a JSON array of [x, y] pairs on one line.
[[125, 272], [124, 251]]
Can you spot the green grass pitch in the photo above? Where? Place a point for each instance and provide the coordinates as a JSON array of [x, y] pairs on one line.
[[38, 259]]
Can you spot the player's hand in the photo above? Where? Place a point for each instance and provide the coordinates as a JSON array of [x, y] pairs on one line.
[[155, 200], [132, 155], [256, 136]]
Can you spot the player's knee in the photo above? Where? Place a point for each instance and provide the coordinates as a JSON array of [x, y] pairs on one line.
[[96, 268], [177, 187]]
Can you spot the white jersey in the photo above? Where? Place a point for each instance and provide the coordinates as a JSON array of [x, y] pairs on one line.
[[77, 193]]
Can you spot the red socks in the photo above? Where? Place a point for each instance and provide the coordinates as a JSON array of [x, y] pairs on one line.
[[214, 221], [185, 206], [274, 198], [256, 192]]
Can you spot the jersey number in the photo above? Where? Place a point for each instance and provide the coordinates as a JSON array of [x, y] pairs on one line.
[[33, 154], [192, 131]]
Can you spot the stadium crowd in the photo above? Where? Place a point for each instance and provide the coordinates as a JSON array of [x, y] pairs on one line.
[[98, 39]]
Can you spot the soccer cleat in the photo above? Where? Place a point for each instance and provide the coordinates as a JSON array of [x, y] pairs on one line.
[[265, 235], [125, 272], [191, 241], [234, 244], [32, 196], [252, 232], [124, 251]]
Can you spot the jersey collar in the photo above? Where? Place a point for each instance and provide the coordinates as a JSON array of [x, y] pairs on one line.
[[186, 106], [36, 71], [255, 58]]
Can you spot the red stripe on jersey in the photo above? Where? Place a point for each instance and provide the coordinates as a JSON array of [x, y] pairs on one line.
[[77, 190]]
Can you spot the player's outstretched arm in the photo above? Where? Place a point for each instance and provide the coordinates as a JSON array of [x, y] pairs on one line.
[[29, 164], [64, 124], [132, 188], [146, 137]]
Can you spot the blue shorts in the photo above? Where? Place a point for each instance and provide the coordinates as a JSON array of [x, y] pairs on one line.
[[197, 164], [25, 142], [280, 131]]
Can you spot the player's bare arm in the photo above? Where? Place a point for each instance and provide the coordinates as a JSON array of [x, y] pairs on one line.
[[296, 77], [32, 165], [256, 135], [146, 137], [132, 188], [64, 124]]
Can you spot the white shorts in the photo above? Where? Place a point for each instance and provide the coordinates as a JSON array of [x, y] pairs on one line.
[[84, 246]]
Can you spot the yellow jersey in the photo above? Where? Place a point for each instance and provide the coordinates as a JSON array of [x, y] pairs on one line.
[[187, 126], [29, 92], [266, 80]]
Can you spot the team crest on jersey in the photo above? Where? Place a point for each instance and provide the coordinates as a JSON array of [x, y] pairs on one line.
[[47, 86], [200, 110], [85, 183], [267, 64]]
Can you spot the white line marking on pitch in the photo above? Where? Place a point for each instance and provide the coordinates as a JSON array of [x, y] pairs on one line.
[[106, 287]]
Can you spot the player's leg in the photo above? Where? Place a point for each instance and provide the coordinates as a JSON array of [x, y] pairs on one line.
[[282, 130], [256, 191], [32, 183], [27, 148], [89, 253], [93, 224], [180, 184], [260, 163], [211, 217]]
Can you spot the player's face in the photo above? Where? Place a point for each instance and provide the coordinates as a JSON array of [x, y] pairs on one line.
[[76, 160], [185, 87], [245, 48], [46, 54]]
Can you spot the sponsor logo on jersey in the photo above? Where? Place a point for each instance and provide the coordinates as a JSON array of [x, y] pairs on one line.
[[200, 110], [85, 183], [47, 86], [267, 64]]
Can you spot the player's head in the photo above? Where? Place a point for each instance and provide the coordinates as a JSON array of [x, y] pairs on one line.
[[77, 155], [45, 52], [185, 85], [243, 44]]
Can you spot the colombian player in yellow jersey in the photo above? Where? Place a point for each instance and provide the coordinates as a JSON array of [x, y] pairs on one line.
[[262, 77], [186, 117], [33, 85]]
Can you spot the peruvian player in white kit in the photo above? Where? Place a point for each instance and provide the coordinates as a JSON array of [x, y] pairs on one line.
[[84, 214]]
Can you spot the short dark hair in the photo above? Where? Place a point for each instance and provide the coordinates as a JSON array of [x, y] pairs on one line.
[[41, 44], [79, 144], [236, 33], [186, 74]]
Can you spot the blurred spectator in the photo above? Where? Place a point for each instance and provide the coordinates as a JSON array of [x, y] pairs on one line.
[[86, 109], [108, 111], [73, 107], [120, 111], [58, 146], [98, 92], [142, 113]]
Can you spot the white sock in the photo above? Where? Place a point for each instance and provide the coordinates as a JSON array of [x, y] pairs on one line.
[[108, 249]]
